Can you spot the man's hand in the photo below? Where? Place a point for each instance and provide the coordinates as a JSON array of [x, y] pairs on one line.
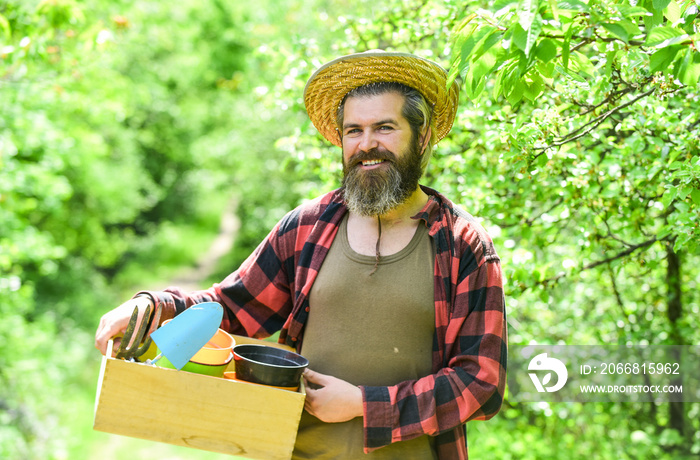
[[115, 322], [333, 400]]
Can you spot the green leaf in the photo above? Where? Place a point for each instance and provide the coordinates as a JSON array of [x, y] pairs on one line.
[[695, 195], [566, 45], [672, 12], [681, 240], [5, 28], [474, 87], [516, 95], [632, 28], [546, 50], [609, 60], [462, 33], [509, 82], [498, 84], [475, 80], [665, 231], [455, 70], [546, 70], [573, 76], [501, 4], [532, 90], [525, 39], [668, 197], [664, 36], [659, 5], [554, 8], [617, 30], [682, 206], [632, 11], [527, 12], [673, 155], [473, 38], [684, 192], [582, 64], [655, 18], [688, 71], [662, 59], [573, 5], [565, 54], [488, 43]]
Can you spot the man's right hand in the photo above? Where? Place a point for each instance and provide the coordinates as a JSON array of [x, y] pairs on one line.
[[114, 322]]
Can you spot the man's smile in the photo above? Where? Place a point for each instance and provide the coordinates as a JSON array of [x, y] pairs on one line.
[[370, 163], [372, 159]]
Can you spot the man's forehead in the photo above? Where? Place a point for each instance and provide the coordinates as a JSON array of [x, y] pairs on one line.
[[386, 107], [389, 100]]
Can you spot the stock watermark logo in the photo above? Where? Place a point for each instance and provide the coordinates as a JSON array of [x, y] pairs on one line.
[[542, 362], [608, 372]]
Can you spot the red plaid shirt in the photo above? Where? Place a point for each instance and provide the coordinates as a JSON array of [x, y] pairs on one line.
[[270, 291]]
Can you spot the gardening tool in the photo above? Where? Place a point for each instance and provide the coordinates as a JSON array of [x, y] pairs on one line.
[[134, 351], [183, 336]]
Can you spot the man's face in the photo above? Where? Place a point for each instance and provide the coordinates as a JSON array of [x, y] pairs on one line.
[[381, 157]]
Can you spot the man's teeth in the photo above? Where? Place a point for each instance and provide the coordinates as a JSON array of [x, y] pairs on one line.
[[371, 162]]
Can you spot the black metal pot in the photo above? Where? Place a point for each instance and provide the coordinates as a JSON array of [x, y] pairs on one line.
[[268, 365]]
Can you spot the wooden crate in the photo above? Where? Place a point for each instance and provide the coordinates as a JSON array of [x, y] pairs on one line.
[[199, 411]]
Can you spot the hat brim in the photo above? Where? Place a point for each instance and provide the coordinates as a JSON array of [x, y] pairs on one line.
[[325, 90]]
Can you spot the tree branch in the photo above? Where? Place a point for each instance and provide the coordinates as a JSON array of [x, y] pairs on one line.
[[607, 260], [620, 255], [593, 124]]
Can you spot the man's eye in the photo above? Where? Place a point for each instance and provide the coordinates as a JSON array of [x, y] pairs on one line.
[[352, 131], [386, 128]]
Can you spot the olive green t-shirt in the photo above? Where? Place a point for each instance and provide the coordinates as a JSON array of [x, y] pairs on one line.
[[369, 330]]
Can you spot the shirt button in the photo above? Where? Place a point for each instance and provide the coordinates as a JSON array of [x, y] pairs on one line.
[[306, 309]]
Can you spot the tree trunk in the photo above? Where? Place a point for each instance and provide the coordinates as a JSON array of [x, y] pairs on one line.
[[674, 312]]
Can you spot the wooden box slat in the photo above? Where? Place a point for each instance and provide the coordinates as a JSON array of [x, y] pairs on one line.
[[198, 411]]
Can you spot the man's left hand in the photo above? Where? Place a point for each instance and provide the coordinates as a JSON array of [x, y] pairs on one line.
[[331, 399]]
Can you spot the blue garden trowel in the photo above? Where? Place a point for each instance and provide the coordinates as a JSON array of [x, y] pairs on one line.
[[183, 336]]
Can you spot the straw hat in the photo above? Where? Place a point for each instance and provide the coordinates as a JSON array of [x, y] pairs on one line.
[[328, 86]]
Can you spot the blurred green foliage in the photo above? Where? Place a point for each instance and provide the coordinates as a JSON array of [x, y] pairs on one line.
[[126, 127], [107, 108]]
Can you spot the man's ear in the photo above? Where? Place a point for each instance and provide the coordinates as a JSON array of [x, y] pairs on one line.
[[425, 139]]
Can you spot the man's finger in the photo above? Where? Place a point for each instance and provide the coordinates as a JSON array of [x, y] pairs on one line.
[[315, 380], [115, 347], [314, 377]]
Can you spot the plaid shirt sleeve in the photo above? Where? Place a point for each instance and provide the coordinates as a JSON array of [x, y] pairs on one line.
[[256, 297], [470, 359], [269, 291]]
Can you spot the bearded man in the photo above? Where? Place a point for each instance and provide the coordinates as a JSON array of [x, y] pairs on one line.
[[393, 293]]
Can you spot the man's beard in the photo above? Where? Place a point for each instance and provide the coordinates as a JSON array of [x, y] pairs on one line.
[[375, 192]]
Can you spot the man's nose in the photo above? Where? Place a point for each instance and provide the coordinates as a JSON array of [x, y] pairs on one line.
[[368, 141]]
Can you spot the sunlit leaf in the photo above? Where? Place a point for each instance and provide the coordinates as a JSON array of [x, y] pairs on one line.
[[527, 12], [688, 71], [533, 88], [573, 5], [582, 64], [474, 40], [665, 36], [5, 28], [633, 11], [672, 12]]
